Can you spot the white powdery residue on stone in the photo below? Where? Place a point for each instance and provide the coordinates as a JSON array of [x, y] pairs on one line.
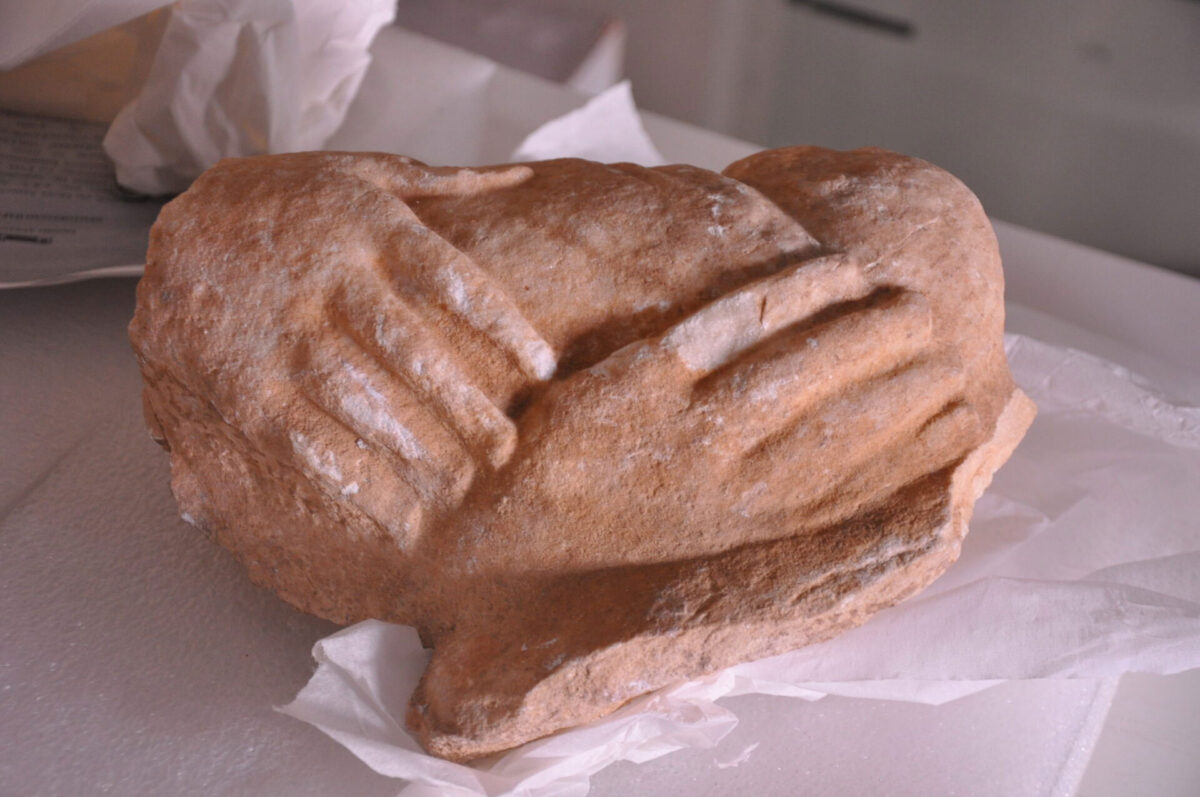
[[719, 202], [369, 408], [323, 463], [661, 305], [544, 361], [639, 686], [458, 290], [768, 392], [713, 336], [743, 505]]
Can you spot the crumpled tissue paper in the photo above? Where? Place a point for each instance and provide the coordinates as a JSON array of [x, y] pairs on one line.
[[607, 129], [441, 105], [234, 78], [1083, 561], [422, 99]]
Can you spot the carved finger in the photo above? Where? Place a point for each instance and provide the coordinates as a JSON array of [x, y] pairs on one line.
[[407, 347], [890, 431], [939, 441], [849, 343], [722, 330], [380, 410], [407, 179], [452, 281], [341, 464]]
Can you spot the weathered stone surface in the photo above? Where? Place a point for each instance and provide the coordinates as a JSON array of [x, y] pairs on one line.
[[592, 429]]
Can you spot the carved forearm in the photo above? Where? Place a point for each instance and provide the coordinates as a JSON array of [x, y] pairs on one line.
[[593, 429]]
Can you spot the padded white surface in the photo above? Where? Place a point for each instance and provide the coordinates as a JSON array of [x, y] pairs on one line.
[[135, 657]]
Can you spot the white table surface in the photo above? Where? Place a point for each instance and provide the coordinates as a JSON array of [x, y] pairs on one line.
[[135, 658]]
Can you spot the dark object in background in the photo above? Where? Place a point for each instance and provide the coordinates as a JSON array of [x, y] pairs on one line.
[[860, 16]]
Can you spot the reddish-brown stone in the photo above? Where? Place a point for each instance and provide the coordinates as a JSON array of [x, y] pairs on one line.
[[592, 429]]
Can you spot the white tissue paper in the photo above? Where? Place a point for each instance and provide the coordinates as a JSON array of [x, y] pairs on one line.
[[422, 99], [1083, 561], [606, 129], [418, 97], [236, 77]]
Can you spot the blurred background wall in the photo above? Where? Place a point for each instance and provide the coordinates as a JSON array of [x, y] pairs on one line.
[[1080, 118]]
